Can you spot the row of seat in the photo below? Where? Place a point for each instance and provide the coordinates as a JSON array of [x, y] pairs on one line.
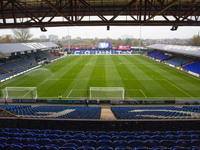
[[20, 63], [37, 139], [66, 112], [72, 146], [156, 112], [81, 112], [194, 67]]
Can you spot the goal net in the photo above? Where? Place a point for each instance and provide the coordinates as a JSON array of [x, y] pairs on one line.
[[107, 93], [20, 92]]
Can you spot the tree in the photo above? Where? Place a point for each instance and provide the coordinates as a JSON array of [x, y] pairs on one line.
[[21, 35], [195, 41], [135, 42], [128, 42], [6, 39]]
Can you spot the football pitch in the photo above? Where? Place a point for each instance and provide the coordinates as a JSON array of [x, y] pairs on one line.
[[141, 78]]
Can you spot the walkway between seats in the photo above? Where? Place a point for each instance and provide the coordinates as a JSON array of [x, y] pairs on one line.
[[106, 114]]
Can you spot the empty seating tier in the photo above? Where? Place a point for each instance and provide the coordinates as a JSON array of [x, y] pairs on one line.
[[164, 112], [47, 139], [62, 112]]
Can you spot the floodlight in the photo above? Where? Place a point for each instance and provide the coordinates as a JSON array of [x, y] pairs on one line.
[[174, 28], [108, 27], [43, 29]]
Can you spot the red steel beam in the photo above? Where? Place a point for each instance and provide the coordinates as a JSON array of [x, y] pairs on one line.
[[124, 8], [92, 9], [13, 12], [165, 8], [2, 12], [55, 9]]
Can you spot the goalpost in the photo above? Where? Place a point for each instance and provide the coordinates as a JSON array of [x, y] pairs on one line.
[[20, 92], [107, 93]]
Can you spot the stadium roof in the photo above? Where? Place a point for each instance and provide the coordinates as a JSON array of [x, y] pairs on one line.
[[54, 13], [20, 47], [186, 50]]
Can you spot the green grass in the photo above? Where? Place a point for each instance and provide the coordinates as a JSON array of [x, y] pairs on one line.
[[74, 75]]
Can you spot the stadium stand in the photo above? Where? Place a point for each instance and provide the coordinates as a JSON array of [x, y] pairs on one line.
[[194, 67], [158, 55], [47, 139], [22, 63], [181, 56], [164, 112], [177, 60], [64, 112], [20, 57]]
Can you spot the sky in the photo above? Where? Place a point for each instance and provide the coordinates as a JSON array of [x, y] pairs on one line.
[[115, 32]]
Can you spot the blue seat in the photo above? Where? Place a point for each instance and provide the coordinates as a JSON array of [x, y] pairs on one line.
[[66, 136], [101, 133], [31, 147], [86, 148], [104, 148], [104, 142], [90, 133], [179, 148], [156, 137], [167, 143], [151, 143], [185, 143], [159, 148], [119, 143], [111, 133], [53, 136], [123, 148], [12, 147], [79, 136], [70, 145], [44, 141], [170, 137], [27, 141], [14, 140], [117, 137], [195, 142], [90, 142], [135, 143], [92, 137], [4, 139], [48, 148], [184, 137], [195, 136], [141, 148], [104, 137], [2, 146], [124, 133], [144, 137], [130, 137], [67, 148], [58, 142], [195, 148], [75, 141], [41, 135]]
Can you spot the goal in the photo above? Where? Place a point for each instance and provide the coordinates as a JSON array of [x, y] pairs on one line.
[[20, 92], [107, 93]]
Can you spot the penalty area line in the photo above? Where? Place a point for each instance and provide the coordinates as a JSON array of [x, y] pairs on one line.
[[178, 88], [69, 93], [42, 82], [143, 93]]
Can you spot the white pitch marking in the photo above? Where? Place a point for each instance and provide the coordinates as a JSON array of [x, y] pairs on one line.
[[179, 88], [42, 82], [69, 93], [143, 93]]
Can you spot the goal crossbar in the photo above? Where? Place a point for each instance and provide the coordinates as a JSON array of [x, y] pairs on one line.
[[107, 93], [20, 92]]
